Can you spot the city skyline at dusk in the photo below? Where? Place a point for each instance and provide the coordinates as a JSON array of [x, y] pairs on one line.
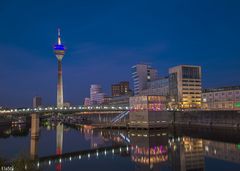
[[105, 39]]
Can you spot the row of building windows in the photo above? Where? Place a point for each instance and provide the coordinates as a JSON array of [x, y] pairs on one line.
[[191, 84], [191, 81], [191, 93], [199, 89]]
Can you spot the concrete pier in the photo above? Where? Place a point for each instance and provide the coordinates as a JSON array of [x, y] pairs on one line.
[[34, 136]]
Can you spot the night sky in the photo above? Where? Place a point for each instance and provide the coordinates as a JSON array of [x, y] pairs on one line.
[[105, 38]]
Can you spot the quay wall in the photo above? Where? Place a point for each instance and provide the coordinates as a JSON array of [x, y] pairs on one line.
[[186, 118]]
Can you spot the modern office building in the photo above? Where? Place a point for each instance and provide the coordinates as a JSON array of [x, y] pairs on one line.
[[141, 74], [222, 98], [185, 86], [121, 88], [37, 101], [87, 101], [96, 95], [157, 87], [120, 100]]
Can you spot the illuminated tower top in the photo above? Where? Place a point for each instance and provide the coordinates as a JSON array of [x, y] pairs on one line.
[[59, 48]]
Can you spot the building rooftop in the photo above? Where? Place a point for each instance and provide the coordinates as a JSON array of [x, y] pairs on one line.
[[227, 88]]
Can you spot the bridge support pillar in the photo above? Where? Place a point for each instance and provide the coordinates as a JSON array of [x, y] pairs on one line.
[[34, 136]]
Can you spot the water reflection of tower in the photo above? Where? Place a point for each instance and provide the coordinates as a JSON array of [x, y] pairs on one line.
[[59, 143], [34, 136]]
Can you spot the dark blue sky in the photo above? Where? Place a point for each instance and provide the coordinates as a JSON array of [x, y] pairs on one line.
[[105, 38]]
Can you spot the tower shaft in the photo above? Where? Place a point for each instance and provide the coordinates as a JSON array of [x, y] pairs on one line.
[[60, 85]]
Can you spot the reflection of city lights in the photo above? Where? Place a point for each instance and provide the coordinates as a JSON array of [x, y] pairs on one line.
[[206, 148]]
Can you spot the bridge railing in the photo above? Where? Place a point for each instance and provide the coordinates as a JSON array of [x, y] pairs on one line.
[[71, 108]]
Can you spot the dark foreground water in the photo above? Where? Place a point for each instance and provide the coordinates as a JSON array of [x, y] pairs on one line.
[[93, 149]]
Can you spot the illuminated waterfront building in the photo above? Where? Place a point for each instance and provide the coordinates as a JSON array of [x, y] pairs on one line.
[[59, 51], [222, 98], [145, 111], [185, 86], [120, 89], [141, 74]]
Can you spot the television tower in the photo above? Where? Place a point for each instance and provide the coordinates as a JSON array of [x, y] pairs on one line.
[[59, 51]]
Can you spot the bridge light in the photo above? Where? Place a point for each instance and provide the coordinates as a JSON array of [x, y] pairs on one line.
[[70, 108], [70, 158], [105, 152], [113, 151], [60, 160], [74, 108], [97, 154], [120, 149], [49, 162], [38, 164], [127, 148], [79, 157], [88, 155]]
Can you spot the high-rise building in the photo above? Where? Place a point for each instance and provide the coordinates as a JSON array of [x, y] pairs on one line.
[[59, 51], [37, 101], [222, 98], [96, 95], [141, 74], [185, 86], [121, 88]]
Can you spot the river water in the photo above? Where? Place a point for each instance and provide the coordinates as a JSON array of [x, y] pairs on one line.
[[88, 149]]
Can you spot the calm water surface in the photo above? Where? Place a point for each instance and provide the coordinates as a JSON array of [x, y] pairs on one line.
[[88, 149]]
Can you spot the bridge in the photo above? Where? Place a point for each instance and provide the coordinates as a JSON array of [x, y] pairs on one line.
[[66, 110]]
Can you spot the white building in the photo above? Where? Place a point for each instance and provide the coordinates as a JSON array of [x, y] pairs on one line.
[[96, 95], [223, 98], [185, 85], [141, 74]]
